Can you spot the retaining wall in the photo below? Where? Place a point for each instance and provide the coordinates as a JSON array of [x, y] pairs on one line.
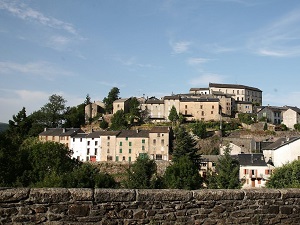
[[122, 206]]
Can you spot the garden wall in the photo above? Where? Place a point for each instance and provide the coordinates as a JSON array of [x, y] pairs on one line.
[[122, 206]]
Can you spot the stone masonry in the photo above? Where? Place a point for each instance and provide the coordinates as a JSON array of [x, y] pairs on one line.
[[128, 207]]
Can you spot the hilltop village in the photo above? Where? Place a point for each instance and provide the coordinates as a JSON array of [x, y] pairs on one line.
[[218, 104]]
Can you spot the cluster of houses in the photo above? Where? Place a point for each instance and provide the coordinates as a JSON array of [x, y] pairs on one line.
[[217, 102]]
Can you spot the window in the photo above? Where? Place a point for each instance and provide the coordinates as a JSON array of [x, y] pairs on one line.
[[143, 147], [120, 150], [73, 139], [154, 141], [88, 143], [107, 143], [129, 159], [201, 106], [130, 143], [96, 142], [202, 113], [212, 106], [117, 158], [120, 143], [88, 151], [108, 150], [96, 151], [130, 151], [80, 139], [108, 137], [186, 106], [212, 112], [158, 135], [143, 141], [162, 142], [123, 158], [126, 138], [158, 157]]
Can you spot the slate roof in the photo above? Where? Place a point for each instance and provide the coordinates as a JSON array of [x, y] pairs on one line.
[[134, 133], [199, 89], [237, 86], [80, 135], [199, 99], [97, 134], [160, 130], [210, 158], [60, 131], [280, 142], [256, 159]]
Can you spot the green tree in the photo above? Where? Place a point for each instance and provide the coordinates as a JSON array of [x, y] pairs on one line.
[[87, 100], [297, 126], [44, 159], [185, 145], [74, 116], [173, 115], [108, 101], [199, 129], [286, 176], [134, 110], [54, 110], [227, 172], [103, 124], [183, 174], [118, 121], [141, 174], [19, 127]]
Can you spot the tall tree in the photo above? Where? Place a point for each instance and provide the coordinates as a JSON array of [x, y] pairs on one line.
[[19, 126], [185, 145], [113, 95], [118, 121], [74, 116], [183, 174], [227, 172], [141, 173], [87, 100], [134, 110], [54, 110], [173, 115]]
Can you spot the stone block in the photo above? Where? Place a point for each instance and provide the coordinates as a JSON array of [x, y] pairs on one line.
[[263, 193], [13, 194], [290, 193], [49, 195], [81, 194], [114, 195], [79, 210], [218, 194], [155, 195]]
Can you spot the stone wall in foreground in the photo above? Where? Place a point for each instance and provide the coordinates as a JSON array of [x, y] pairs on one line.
[[122, 206]]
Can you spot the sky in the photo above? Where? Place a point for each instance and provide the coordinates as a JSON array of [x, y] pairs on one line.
[[145, 47]]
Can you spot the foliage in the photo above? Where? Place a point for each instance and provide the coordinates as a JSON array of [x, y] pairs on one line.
[[3, 127], [134, 110], [297, 126], [227, 172], [54, 111], [19, 127], [185, 145], [87, 100], [141, 174], [103, 124], [283, 127], [112, 96], [287, 176], [173, 115], [118, 121], [247, 118], [74, 116], [265, 126], [199, 129], [183, 174]]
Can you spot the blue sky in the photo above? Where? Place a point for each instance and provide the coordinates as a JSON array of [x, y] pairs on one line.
[[152, 47]]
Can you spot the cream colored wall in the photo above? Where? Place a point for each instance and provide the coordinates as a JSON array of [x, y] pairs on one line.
[[134, 143], [168, 103], [107, 148], [210, 110], [159, 145]]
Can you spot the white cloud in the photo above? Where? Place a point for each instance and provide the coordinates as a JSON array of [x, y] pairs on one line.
[[109, 84], [279, 39], [205, 79], [281, 99], [197, 61], [21, 10], [180, 47], [43, 69]]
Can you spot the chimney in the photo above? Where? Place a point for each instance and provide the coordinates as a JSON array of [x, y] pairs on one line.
[[45, 129], [137, 130], [64, 130]]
